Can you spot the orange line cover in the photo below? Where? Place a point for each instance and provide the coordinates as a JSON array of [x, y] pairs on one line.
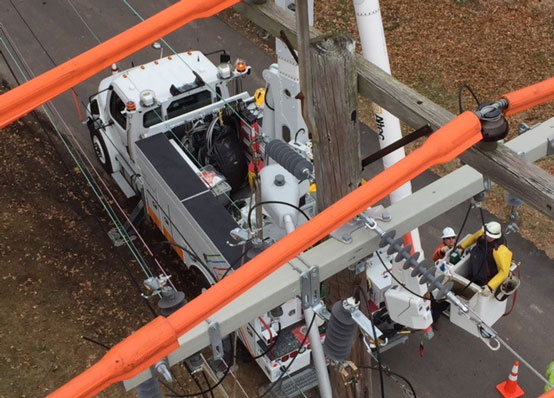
[[159, 338], [528, 97], [29, 96]]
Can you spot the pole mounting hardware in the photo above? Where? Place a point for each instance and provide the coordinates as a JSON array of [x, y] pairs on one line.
[[215, 339], [309, 287]]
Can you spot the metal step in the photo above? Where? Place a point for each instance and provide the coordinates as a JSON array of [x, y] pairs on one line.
[[123, 184], [297, 384], [125, 233]]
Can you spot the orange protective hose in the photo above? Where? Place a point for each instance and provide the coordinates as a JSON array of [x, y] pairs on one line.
[[29, 96], [528, 97], [158, 338], [549, 394]]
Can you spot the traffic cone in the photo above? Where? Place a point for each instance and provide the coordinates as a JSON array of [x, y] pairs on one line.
[[510, 388]]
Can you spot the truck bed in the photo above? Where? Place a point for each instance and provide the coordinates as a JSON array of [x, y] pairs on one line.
[[200, 204]]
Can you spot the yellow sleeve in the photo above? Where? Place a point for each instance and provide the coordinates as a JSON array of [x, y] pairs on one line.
[[503, 258], [472, 239]]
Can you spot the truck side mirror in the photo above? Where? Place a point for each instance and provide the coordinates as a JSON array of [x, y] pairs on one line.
[[94, 107]]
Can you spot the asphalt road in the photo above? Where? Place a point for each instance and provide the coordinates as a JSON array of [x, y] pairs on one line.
[[454, 364]]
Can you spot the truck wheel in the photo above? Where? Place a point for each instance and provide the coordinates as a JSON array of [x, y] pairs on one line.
[[101, 151]]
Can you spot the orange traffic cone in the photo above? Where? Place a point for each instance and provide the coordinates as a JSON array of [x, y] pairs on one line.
[[510, 388]]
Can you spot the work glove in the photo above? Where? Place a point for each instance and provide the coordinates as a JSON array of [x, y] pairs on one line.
[[444, 249], [486, 291]]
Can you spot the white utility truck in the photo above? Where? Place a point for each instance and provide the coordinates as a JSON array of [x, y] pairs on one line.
[[180, 134]]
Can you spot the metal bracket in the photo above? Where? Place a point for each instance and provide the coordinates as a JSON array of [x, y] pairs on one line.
[[358, 316], [487, 183], [344, 233], [550, 146], [309, 287], [321, 310], [215, 339]]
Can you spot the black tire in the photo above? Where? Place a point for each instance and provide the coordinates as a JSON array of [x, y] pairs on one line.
[[101, 151]]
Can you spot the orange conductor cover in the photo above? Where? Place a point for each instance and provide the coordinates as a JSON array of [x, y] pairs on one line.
[[528, 97]]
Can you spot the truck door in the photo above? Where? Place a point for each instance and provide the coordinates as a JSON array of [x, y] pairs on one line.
[[119, 120]]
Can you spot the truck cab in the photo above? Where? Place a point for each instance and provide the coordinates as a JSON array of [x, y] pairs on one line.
[[131, 104]]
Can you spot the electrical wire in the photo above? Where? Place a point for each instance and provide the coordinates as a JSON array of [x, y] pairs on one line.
[[193, 377], [398, 281], [376, 340], [460, 92], [298, 132], [81, 167], [76, 155], [238, 382], [278, 202], [105, 346], [291, 362], [244, 253], [463, 225], [207, 383], [269, 348], [211, 388], [390, 373]]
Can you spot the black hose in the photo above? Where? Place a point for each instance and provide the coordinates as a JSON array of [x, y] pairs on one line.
[[278, 202], [265, 98]]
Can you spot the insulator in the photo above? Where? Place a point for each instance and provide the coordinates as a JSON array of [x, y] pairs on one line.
[[395, 246], [427, 274], [287, 157], [412, 261], [445, 289], [341, 332], [387, 238], [415, 272], [171, 301], [437, 282], [404, 253]]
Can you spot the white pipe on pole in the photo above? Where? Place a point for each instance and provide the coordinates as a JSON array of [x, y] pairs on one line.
[[374, 48], [318, 357]]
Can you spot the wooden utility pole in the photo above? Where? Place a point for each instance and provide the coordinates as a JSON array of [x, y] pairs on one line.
[[335, 130], [337, 162], [330, 109]]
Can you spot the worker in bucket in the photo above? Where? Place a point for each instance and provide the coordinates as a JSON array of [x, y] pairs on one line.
[[448, 241], [490, 259]]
